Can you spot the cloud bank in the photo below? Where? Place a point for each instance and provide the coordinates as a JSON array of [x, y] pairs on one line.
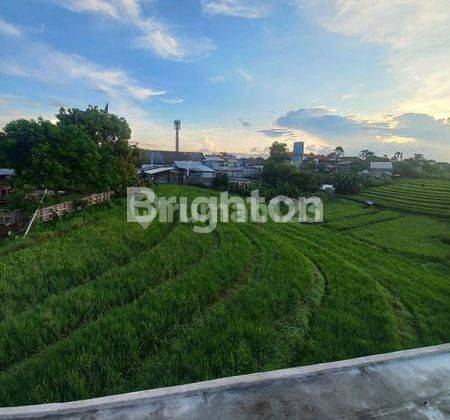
[[156, 35], [415, 34], [411, 132]]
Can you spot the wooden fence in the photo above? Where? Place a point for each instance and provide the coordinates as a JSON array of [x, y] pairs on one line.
[[10, 218], [58, 210]]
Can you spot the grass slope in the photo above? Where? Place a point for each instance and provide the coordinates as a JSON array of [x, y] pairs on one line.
[[107, 307], [424, 196]]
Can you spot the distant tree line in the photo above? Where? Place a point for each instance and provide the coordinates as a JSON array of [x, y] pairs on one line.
[[83, 151], [280, 177]]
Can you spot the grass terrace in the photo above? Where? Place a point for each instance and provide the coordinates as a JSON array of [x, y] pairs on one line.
[[104, 307]]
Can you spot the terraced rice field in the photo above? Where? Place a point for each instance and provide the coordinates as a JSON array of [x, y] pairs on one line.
[[424, 196], [107, 307]]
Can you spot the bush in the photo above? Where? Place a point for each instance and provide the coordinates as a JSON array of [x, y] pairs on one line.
[[348, 183], [221, 182], [289, 180]]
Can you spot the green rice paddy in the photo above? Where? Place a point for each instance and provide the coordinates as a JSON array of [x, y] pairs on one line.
[[106, 307], [421, 196]]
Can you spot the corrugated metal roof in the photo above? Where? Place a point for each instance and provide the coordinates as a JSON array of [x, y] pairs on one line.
[[159, 170], [6, 172], [162, 157], [213, 159], [192, 166]]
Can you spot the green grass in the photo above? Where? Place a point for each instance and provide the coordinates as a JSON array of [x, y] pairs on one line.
[[106, 307], [424, 196]]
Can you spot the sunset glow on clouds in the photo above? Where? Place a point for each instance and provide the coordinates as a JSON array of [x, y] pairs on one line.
[[240, 74]]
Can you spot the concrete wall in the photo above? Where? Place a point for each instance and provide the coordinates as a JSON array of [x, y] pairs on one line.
[[413, 384]]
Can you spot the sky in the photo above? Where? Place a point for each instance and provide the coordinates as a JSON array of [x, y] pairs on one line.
[[240, 74]]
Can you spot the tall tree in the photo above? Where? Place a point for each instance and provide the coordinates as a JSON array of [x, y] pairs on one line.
[[366, 154], [50, 156], [111, 135], [279, 152], [398, 156], [339, 151]]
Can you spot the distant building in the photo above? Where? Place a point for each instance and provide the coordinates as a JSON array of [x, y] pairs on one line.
[[328, 188], [235, 169], [251, 161], [196, 172], [233, 172], [253, 172], [168, 157], [181, 172], [214, 162], [162, 175], [298, 154], [5, 182], [381, 169], [228, 156]]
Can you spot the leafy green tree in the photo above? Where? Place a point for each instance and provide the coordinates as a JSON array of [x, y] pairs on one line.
[[279, 152], [366, 154], [48, 156], [282, 173], [347, 183], [221, 181], [406, 168], [110, 134], [103, 127], [339, 151], [275, 172], [398, 157]]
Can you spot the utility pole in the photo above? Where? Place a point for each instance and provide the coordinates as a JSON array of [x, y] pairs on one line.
[[177, 126]]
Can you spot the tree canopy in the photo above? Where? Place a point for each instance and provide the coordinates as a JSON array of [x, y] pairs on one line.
[[279, 152], [366, 154], [84, 151], [278, 172]]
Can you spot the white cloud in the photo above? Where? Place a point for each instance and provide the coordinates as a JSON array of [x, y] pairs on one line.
[[248, 9], [41, 62], [156, 35], [412, 131], [246, 76], [396, 139], [416, 35], [9, 29], [207, 146], [217, 79], [158, 38], [13, 69], [173, 101], [98, 6], [346, 96]]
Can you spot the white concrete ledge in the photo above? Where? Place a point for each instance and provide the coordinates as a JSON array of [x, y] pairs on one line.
[[411, 384]]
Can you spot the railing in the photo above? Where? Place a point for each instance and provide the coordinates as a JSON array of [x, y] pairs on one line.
[[14, 217], [58, 210]]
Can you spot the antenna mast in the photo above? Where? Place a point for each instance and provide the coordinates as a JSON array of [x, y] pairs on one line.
[[177, 126]]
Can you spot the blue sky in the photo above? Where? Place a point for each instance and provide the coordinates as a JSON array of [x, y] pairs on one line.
[[239, 73]]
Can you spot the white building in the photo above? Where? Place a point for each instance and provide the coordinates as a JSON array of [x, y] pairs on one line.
[[381, 169], [214, 162]]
